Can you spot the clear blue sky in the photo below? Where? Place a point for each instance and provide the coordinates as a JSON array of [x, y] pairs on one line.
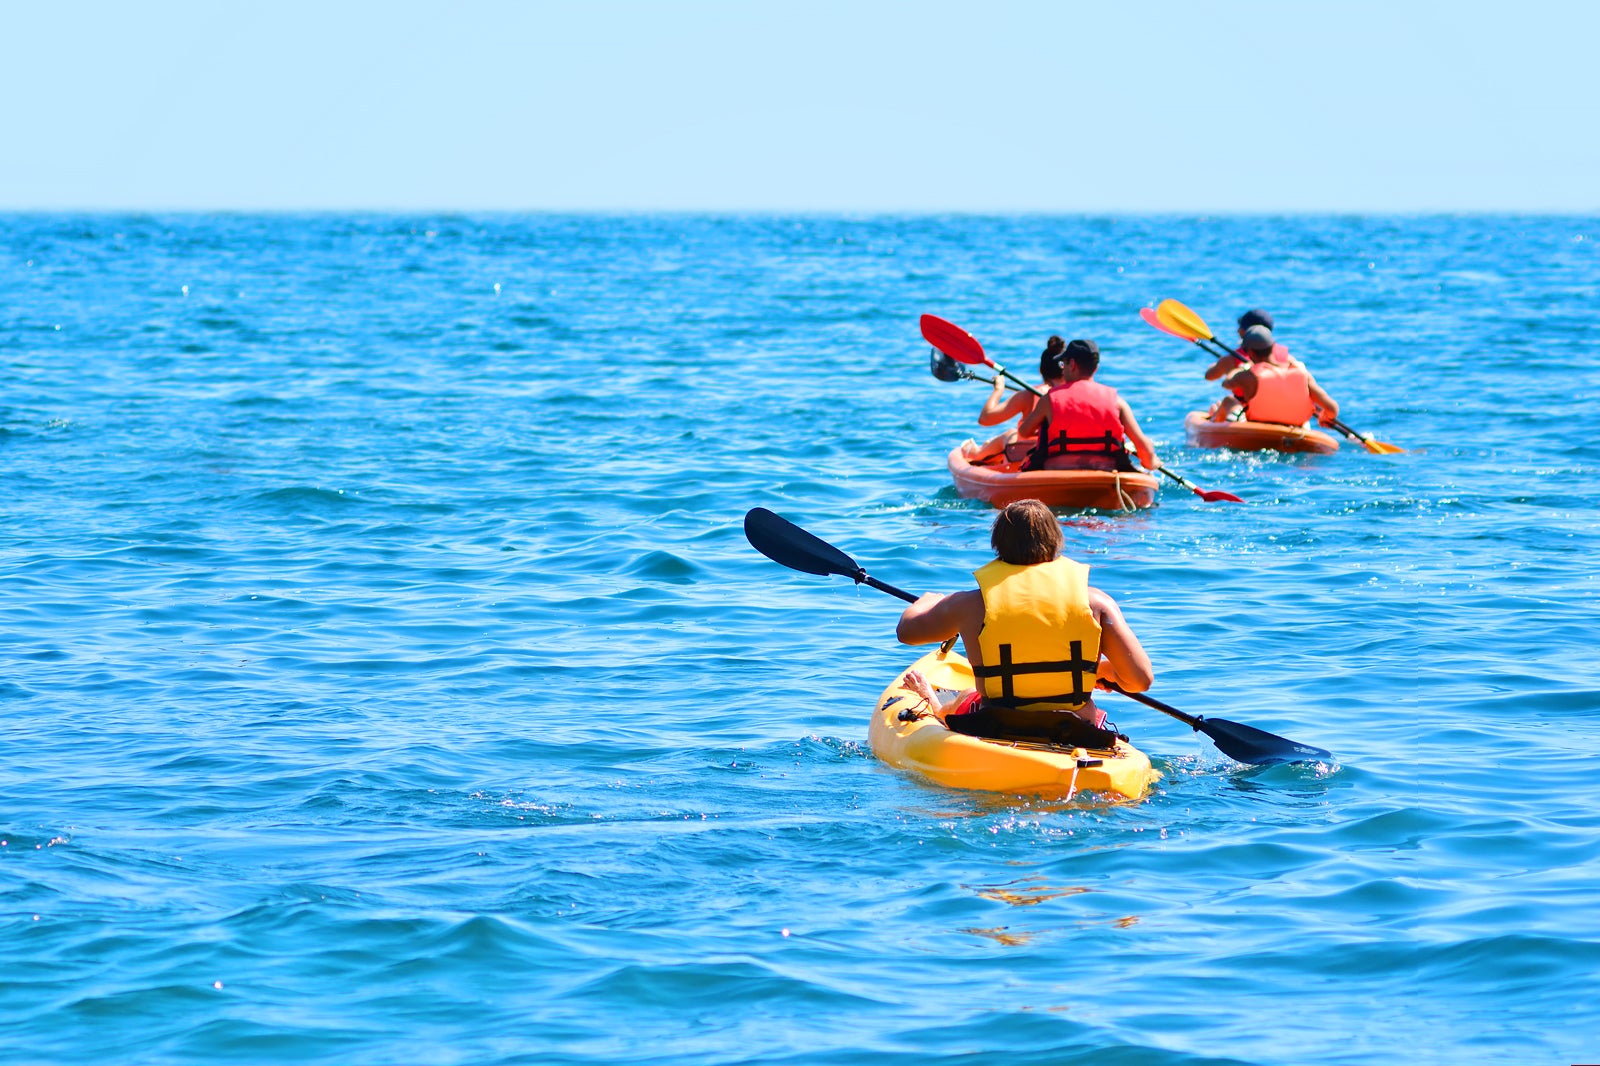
[[1116, 105]]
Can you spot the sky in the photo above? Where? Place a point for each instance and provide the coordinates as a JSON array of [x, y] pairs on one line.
[[815, 106]]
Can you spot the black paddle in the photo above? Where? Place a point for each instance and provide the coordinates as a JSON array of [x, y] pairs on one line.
[[788, 545]]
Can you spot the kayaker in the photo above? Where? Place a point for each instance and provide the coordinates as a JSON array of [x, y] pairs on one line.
[[1227, 364], [1001, 408], [1269, 391], [1086, 425], [1039, 639]]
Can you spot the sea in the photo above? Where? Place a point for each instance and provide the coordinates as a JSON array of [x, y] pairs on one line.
[[387, 678]]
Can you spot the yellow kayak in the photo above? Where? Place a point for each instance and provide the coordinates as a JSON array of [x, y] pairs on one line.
[[904, 738]]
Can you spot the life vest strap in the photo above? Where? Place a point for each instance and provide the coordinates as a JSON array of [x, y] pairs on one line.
[[1007, 671], [1049, 447]]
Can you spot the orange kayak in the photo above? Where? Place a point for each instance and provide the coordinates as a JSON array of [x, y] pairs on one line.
[[1004, 481], [1256, 436]]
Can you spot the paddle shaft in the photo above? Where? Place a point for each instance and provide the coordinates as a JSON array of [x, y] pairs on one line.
[[1187, 719]]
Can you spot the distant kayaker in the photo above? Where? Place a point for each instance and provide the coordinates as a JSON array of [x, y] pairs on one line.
[[1085, 425], [1039, 639], [1227, 364], [1000, 408], [1270, 391]]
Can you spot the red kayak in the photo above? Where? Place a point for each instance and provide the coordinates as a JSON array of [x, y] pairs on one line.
[[1001, 481]]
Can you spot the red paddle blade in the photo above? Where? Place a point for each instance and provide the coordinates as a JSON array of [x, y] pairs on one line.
[[1153, 319], [953, 341], [1217, 496]]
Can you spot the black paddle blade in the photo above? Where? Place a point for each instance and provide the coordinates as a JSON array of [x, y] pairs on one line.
[[788, 545], [944, 368], [1246, 743]]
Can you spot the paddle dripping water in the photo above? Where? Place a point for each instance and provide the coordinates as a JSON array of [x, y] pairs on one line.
[[388, 678]]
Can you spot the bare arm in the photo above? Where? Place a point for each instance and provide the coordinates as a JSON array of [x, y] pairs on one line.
[[1319, 396], [1242, 383], [1225, 365], [1000, 408], [1029, 426], [935, 617], [1141, 443], [1123, 659]]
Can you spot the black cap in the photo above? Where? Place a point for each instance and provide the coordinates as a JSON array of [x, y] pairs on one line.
[[1256, 317], [1076, 348]]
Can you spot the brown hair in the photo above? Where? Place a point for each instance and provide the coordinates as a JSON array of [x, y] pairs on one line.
[[1050, 358], [1025, 533]]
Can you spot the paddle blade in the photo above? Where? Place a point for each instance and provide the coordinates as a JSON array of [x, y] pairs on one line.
[[952, 340], [1247, 744], [1152, 319], [788, 545], [1182, 321], [1379, 447], [944, 368], [1217, 496]]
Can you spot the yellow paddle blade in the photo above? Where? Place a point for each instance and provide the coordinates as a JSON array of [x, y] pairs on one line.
[[1180, 319], [1379, 447]]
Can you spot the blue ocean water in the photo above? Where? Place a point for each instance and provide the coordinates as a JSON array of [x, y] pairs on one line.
[[387, 678]]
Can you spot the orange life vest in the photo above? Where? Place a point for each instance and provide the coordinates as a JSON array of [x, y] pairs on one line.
[[1283, 394]]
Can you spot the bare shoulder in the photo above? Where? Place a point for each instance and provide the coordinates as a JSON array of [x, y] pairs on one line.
[[1104, 607]]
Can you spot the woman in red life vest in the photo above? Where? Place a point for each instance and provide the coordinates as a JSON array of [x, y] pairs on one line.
[[1227, 364], [1269, 391], [1086, 424], [1039, 638]]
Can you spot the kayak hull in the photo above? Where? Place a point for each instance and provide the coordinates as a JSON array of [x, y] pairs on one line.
[[1005, 482], [958, 761], [1256, 436]]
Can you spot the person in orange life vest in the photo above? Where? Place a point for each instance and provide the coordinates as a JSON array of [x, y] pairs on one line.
[[1000, 408], [1085, 424], [1040, 640], [1269, 391], [1227, 364]]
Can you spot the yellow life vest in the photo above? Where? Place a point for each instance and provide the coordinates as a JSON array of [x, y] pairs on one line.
[[1040, 644]]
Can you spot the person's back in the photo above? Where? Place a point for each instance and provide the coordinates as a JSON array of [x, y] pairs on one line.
[[1270, 391], [1039, 638], [1085, 425], [1282, 394]]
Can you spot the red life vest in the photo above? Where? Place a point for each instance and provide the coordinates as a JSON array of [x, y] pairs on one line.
[[1283, 394], [1083, 419]]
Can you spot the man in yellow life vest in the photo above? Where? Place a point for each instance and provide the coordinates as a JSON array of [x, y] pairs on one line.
[[1269, 391], [1038, 636]]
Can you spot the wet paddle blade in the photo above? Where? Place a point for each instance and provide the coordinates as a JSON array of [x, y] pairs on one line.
[[788, 545], [1182, 321], [952, 340], [1247, 744], [1379, 447]]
